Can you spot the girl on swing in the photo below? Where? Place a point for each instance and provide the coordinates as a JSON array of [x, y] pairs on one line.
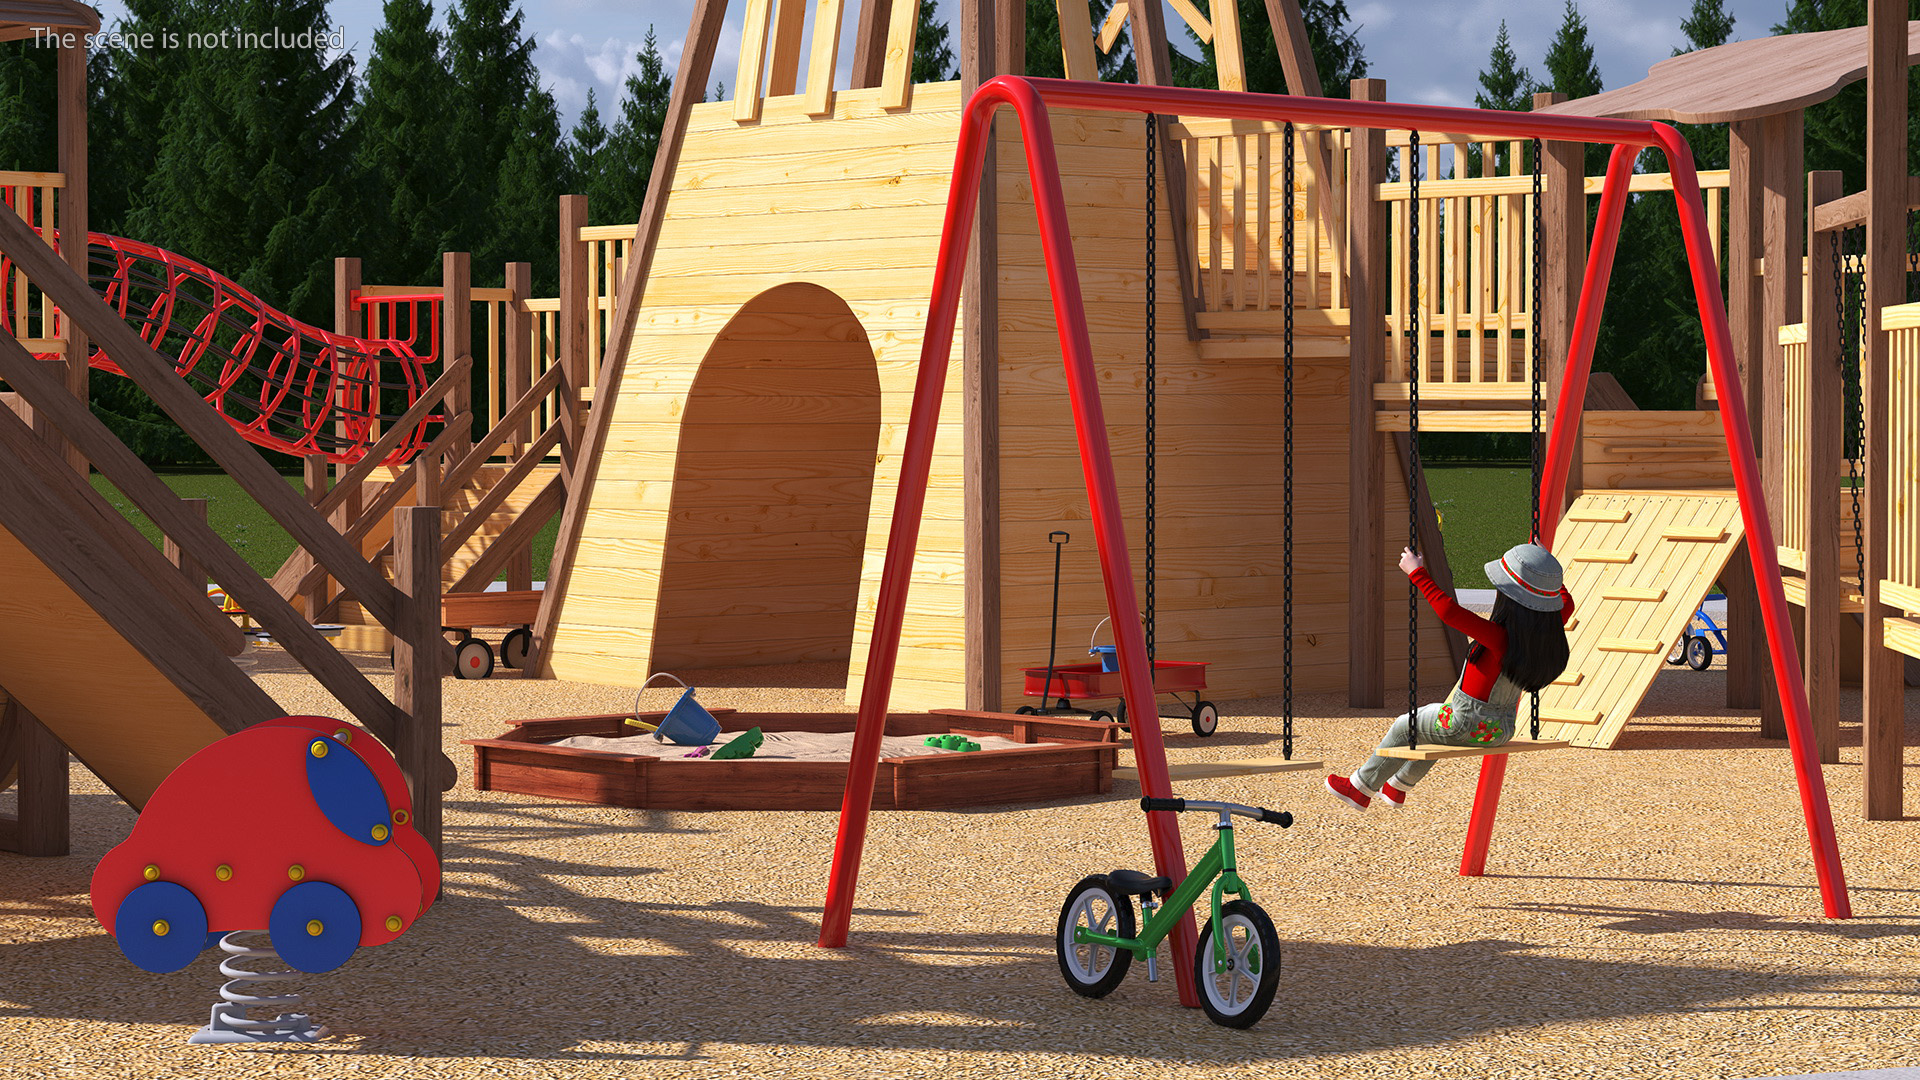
[[1520, 649]]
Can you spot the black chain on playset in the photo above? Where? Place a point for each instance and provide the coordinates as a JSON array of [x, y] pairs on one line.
[[1413, 431], [1152, 214], [1286, 468], [1539, 463]]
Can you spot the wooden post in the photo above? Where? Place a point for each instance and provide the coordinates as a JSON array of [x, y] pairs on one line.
[[70, 86], [314, 477], [418, 660], [518, 348], [1009, 38], [1882, 689], [870, 42], [1746, 144], [456, 335], [980, 323], [349, 320], [41, 825], [576, 309], [1825, 435], [188, 566], [1782, 176], [1366, 480], [1563, 266]]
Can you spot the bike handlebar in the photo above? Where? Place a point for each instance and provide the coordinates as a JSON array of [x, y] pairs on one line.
[[1257, 813]]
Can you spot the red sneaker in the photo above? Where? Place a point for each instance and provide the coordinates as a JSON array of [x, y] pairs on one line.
[[1392, 796], [1348, 792]]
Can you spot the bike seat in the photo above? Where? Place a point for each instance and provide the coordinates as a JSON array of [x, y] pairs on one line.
[[1135, 883]]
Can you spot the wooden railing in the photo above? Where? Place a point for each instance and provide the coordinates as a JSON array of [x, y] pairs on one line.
[[33, 322], [1901, 588], [1235, 185]]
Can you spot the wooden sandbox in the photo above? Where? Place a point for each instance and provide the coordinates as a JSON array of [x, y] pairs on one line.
[[1068, 757]]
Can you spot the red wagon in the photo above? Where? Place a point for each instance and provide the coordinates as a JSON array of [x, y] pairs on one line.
[[1089, 681]]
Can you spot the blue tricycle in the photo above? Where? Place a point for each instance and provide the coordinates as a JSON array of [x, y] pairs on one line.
[[1701, 641]]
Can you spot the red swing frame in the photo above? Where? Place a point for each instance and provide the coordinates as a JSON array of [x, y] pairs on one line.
[[1031, 100]]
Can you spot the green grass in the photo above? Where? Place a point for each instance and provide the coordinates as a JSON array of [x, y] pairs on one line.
[[254, 535], [1484, 510]]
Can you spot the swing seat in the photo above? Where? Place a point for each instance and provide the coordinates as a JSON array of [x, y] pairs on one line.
[[1436, 753]]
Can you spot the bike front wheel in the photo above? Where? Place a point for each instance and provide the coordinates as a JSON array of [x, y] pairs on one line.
[[1238, 994], [1093, 970]]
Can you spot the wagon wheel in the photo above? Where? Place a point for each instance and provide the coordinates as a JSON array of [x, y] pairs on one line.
[[1206, 719], [472, 659], [1699, 652], [1102, 717], [1026, 710], [515, 646]]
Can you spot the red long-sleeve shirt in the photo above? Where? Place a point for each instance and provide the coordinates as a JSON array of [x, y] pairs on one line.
[[1483, 663]]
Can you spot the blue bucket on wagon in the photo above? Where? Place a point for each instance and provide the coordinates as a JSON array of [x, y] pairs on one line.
[[1109, 654], [687, 723]]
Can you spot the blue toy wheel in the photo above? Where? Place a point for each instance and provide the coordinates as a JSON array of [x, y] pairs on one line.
[[315, 926], [160, 927]]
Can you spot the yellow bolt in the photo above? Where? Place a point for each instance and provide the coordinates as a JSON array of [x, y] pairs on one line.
[[224, 872], [151, 873], [393, 924], [319, 748], [379, 833], [315, 928], [296, 871], [160, 928], [345, 735], [401, 817]]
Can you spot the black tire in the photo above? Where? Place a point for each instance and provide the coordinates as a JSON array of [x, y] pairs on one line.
[[1120, 712], [1093, 970], [1026, 710], [1678, 654], [515, 646], [1206, 719], [1699, 652], [1104, 717], [1240, 996], [473, 659]]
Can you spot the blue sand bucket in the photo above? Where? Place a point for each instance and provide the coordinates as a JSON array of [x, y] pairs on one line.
[[688, 723], [1109, 654]]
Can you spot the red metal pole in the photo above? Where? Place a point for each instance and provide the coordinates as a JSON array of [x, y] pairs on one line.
[[1102, 496], [1560, 445], [1753, 512]]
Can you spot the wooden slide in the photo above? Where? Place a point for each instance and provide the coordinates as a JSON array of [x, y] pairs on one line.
[[101, 639], [1638, 564]]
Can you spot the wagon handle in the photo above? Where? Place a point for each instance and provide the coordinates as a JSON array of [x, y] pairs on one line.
[[643, 689]]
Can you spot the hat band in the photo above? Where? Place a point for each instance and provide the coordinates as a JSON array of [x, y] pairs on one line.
[[1522, 582]]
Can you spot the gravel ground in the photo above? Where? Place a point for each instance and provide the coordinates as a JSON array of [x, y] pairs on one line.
[[1642, 917]]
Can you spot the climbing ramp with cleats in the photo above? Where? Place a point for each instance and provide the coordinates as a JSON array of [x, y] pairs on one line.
[[1638, 563]]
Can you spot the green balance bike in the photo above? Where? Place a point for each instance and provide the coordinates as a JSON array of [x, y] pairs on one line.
[[1237, 963]]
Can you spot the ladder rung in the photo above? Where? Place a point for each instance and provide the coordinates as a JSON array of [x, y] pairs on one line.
[[1610, 517], [1604, 555], [1653, 596], [1708, 533], [1582, 717], [1570, 678], [1634, 645]]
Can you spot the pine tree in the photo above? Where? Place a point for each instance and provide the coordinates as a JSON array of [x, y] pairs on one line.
[[526, 207], [405, 147], [499, 112], [1570, 66], [585, 168], [28, 125], [1708, 25], [932, 56], [1504, 84], [627, 157]]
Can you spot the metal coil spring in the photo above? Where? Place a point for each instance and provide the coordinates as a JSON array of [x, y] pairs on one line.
[[230, 1023]]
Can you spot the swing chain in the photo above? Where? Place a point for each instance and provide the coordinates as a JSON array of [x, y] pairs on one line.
[[1153, 125], [1539, 465], [1413, 429], [1286, 471], [1851, 376]]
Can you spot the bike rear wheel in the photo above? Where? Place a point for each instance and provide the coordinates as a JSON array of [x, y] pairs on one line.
[[1239, 994]]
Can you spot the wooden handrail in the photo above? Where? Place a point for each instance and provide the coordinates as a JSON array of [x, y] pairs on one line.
[[289, 628], [517, 535], [156, 376], [1851, 210], [498, 493], [475, 458], [453, 374]]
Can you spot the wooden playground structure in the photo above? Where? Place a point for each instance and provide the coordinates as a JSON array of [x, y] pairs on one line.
[[726, 406]]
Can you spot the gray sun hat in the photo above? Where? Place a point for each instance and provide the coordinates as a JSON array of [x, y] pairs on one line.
[[1529, 575]]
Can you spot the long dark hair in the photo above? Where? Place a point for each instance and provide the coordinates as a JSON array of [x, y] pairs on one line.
[[1536, 643]]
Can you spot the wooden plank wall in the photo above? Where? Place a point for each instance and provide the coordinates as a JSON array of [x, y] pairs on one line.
[[852, 206], [1218, 431], [1682, 449]]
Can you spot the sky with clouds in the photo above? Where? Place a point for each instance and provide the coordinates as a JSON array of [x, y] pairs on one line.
[[1428, 52]]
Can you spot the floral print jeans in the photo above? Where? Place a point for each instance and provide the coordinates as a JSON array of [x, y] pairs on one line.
[[1461, 720]]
